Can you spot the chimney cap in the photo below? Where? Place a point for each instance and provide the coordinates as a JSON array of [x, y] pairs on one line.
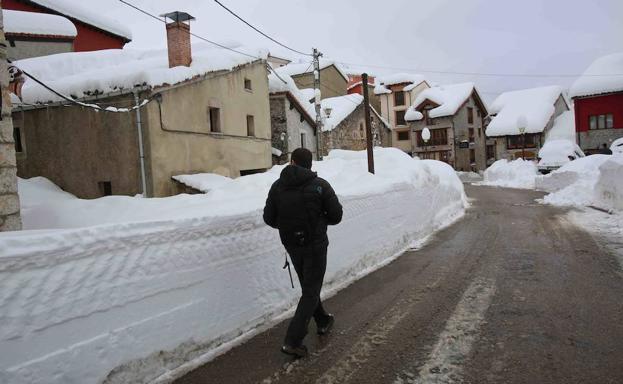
[[178, 16]]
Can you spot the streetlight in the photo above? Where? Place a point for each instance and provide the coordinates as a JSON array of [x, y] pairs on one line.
[[426, 137], [522, 122]]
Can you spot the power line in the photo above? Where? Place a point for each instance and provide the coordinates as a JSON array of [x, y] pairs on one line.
[[258, 31], [191, 33], [524, 75]]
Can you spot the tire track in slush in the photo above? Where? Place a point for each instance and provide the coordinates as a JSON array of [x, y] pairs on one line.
[[445, 362]]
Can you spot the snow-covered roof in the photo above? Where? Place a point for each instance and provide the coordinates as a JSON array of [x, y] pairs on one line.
[[294, 69], [341, 108], [448, 97], [81, 74], [536, 105], [276, 85], [412, 81], [33, 23], [556, 152], [604, 75], [78, 11], [353, 85]]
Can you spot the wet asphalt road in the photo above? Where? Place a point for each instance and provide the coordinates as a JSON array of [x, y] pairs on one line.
[[512, 293]]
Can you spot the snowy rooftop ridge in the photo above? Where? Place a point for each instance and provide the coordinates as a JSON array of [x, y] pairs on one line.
[[295, 69], [82, 13], [448, 97], [341, 108], [82, 74], [34, 23], [277, 85], [604, 75], [412, 81], [535, 104]]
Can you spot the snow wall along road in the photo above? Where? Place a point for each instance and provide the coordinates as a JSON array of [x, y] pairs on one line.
[[131, 302]]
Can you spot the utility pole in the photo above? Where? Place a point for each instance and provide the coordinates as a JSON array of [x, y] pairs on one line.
[[317, 96], [366, 106]]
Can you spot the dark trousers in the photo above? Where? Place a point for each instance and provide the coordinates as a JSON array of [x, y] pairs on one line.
[[310, 263]]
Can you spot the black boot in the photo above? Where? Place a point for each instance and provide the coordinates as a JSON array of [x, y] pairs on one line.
[[300, 351], [323, 330]]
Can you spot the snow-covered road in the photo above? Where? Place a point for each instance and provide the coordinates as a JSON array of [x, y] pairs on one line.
[[515, 292]]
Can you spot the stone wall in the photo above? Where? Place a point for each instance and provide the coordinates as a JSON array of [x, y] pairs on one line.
[[591, 141], [9, 200], [350, 134]]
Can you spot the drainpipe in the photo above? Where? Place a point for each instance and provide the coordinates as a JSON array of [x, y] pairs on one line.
[[141, 152]]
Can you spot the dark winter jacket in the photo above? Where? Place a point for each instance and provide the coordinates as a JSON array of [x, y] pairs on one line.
[[322, 206]]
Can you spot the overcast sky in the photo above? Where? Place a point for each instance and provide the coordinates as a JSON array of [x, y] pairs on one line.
[[531, 37]]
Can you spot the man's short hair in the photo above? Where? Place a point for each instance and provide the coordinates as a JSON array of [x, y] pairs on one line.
[[302, 157]]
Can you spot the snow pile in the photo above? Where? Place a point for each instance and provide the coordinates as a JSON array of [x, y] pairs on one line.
[[341, 108], [602, 76], [563, 128], [81, 74], [205, 182], [80, 12], [535, 104], [469, 177], [141, 286], [556, 153], [448, 97], [511, 174], [411, 81], [573, 183], [617, 146], [609, 186], [34, 23]]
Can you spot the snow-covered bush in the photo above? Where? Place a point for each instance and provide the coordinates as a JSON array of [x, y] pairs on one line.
[[511, 174]]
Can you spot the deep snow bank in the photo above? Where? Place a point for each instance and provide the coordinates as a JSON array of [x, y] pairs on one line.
[[609, 187], [141, 286], [511, 174]]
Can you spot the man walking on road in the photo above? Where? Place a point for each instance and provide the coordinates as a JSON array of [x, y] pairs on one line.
[[301, 205]]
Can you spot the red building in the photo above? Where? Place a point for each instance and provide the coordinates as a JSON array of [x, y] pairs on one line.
[[598, 103], [94, 31]]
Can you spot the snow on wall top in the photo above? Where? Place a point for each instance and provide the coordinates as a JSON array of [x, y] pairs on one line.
[[80, 74], [34, 23], [294, 69], [341, 108], [602, 76], [535, 104], [449, 97], [80, 12], [413, 81]]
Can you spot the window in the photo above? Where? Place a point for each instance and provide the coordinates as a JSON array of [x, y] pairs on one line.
[[248, 85], [303, 140], [478, 113], [601, 121], [472, 156], [490, 152], [470, 115], [361, 127], [480, 132], [250, 125], [12, 43], [516, 142], [471, 135], [214, 117], [437, 137], [17, 137], [105, 188], [400, 118], [399, 98], [403, 135]]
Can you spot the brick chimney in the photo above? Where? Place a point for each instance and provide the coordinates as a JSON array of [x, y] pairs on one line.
[[178, 38]]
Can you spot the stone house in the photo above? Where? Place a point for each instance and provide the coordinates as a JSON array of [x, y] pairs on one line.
[[532, 111], [397, 92], [333, 79], [206, 111], [598, 103], [292, 119], [9, 200], [455, 115], [344, 124], [94, 31]]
